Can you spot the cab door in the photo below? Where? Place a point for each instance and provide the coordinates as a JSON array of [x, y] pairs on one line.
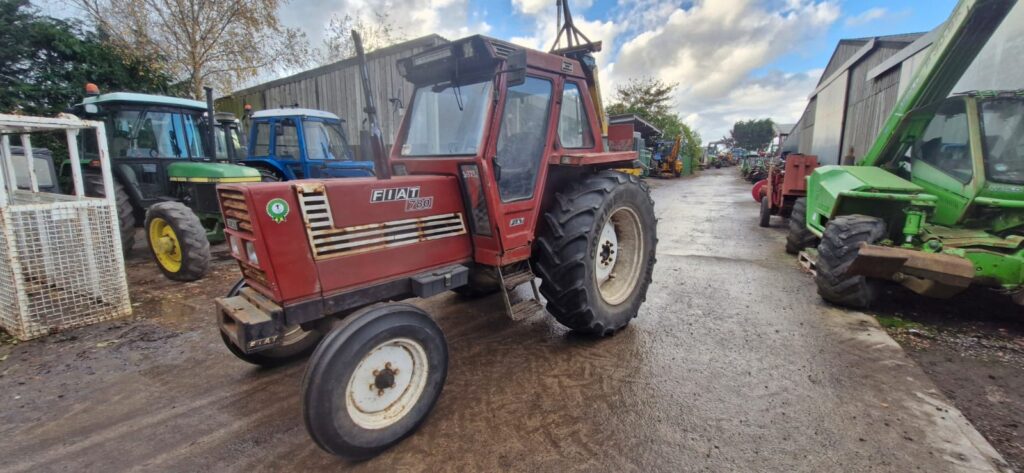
[[519, 154]]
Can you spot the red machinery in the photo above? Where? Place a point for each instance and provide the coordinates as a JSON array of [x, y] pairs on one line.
[[499, 171], [783, 186]]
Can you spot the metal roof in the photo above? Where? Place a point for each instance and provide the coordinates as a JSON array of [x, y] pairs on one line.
[[641, 125], [294, 112], [131, 97]]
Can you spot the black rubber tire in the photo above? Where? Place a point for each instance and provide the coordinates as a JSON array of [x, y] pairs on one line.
[[839, 246], [267, 175], [93, 183], [765, 219], [483, 281], [799, 237], [335, 360], [195, 248], [567, 243], [276, 356]]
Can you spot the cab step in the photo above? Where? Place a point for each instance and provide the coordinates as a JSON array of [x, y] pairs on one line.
[[509, 282]]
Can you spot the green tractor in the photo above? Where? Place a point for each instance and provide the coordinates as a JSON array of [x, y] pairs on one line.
[[164, 176], [937, 203]]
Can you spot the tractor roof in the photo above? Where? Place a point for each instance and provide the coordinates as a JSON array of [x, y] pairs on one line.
[[131, 97], [478, 51], [295, 112]]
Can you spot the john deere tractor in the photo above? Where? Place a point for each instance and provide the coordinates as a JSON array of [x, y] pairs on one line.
[[937, 203], [164, 175]]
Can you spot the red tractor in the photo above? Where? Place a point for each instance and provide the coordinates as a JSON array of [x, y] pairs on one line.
[[784, 185], [498, 176]]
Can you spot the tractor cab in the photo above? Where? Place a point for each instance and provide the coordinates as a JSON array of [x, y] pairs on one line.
[[229, 145], [296, 143], [968, 150]]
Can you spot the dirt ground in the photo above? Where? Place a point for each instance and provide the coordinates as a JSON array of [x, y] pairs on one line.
[[733, 364]]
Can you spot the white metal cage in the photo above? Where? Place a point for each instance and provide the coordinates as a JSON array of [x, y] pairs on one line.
[[61, 264]]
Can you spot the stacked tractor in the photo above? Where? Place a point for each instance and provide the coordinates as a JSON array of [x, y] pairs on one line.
[[937, 203], [164, 174], [498, 177]]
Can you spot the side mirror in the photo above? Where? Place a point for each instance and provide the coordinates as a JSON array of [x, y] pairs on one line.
[[516, 68]]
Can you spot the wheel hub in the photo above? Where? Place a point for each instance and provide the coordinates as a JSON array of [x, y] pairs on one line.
[[619, 257], [386, 383], [384, 379], [607, 251]]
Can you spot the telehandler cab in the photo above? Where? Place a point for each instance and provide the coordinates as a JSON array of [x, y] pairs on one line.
[[498, 176], [937, 203]]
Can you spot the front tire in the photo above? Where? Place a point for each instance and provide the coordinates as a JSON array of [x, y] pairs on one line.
[[177, 241], [595, 252], [296, 343], [373, 380], [766, 212], [839, 246], [799, 237]]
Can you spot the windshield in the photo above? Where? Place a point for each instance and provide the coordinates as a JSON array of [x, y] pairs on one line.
[[447, 120], [228, 134], [1002, 127], [325, 141], [155, 134]]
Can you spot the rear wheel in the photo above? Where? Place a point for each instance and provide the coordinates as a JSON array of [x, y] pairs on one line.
[[93, 183], [177, 241], [595, 252], [799, 237], [839, 246], [373, 380], [766, 212]]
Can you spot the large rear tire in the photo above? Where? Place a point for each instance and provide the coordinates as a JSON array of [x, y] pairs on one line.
[[177, 241], [373, 380], [799, 237], [93, 183], [595, 252], [296, 343], [839, 246]]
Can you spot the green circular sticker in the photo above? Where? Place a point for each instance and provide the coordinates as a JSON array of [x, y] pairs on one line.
[[277, 209]]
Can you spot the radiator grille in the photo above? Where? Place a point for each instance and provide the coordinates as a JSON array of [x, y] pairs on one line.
[[328, 241], [236, 213]]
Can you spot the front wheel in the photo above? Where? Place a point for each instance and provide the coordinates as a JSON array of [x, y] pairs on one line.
[[840, 245], [295, 344], [177, 241], [373, 380], [766, 212], [595, 252]]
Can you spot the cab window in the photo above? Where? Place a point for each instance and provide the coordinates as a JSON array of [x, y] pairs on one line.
[[286, 146], [945, 143], [573, 126], [261, 143], [521, 139]]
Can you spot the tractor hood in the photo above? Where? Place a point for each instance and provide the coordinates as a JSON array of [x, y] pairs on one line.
[[211, 172]]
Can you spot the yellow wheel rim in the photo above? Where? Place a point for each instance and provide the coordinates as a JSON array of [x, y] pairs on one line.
[[164, 243]]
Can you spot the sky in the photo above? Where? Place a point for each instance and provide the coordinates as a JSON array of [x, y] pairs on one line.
[[732, 59]]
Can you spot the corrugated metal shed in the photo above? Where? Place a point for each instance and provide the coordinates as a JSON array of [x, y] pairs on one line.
[[336, 88]]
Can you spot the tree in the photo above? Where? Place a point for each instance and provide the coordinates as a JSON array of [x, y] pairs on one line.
[[221, 44], [753, 134], [376, 30], [651, 99], [45, 62]]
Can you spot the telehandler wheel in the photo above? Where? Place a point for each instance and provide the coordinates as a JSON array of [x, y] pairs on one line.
[[766, 212], [177, 241], [839, 246], [296, 343], [595, 252], [373, 380], [93, 183], [799, 237]]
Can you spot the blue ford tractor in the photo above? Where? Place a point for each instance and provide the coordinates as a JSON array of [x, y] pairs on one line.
[[296, 143]]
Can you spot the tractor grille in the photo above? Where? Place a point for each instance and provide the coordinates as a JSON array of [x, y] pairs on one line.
[[328, 241], [236, 213]]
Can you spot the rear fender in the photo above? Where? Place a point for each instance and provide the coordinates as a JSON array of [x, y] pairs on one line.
[[271, 165]]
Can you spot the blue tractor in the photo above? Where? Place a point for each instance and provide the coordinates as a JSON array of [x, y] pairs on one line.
[[297, 143]]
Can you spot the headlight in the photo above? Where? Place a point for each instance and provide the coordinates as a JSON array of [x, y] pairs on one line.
[[250, 251], [236, 248]]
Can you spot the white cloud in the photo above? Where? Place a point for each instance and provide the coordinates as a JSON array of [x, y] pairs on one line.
[[713, 49], [867, 16]]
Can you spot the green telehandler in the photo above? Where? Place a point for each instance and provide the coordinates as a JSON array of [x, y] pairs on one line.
[[937, 203]]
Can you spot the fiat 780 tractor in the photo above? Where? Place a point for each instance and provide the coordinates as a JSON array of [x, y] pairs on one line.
[[937, 203], [498, 176]]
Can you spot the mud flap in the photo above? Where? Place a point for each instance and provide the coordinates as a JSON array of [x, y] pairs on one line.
[[931, 274]]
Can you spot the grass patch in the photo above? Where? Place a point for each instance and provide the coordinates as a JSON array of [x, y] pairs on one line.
[[896, 323]]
